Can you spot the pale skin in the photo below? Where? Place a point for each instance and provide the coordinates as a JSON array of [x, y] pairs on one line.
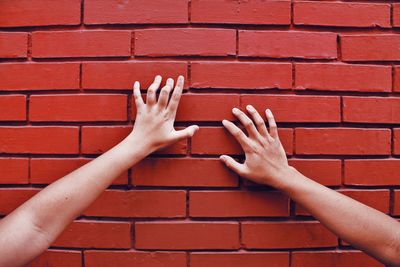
[[34, 222], [363, 227]]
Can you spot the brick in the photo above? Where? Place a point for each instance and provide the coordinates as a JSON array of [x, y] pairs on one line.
[[13, 44], [239, 259], [82, 107], [332, 259], [39, 139], [396, 15], [287, 44], [396, 79], [12, 198], [14, 170], [396, 140], [308, 108], [204, 107], [371, 109], [91, 234], [217, 140], [370, 47], [187, 235], [39, 13], [341, 14], [39, 76], [59, 258], [122, 75], [235, 12], [185, 42], [81, 44], [238, 204], [48, 170], [139, 203], [134, 258], [12, 108], [377, 199], [183, 172], [241, 75], [353, 141], [99, 139], [266, 235], [343, 77], [371, 172], [327, 172], [396, 206], [135, 12]]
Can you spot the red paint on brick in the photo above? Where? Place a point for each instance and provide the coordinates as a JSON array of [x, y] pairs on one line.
[[341, 14], [287, 44], [13, 44], [182, 42], [346, 141]]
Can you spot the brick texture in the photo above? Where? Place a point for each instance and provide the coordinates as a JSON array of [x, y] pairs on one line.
[[328, 70]]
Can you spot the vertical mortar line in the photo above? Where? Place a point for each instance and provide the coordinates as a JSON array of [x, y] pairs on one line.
[[240, 235], [187, 203], [393, 78], [133, 239], [83, 258], [29, 47], [82, 11], [237, 44], [80, 77], [339, 47], [291, 14], [80, 141], [293, 74], [290, 258], [189, 11], [392, 15]]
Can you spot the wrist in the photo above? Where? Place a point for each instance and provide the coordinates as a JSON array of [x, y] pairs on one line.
[[285, 178]]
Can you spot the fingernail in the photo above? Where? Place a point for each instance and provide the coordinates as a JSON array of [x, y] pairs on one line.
[[250, 108], [222, 157], [269, 112], [235, 110]]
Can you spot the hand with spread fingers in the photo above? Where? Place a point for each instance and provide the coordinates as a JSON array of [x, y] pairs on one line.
[[266, 161], [154, 123]]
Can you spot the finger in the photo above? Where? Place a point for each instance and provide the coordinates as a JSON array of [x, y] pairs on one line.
[[137, 96], [186, 133], [151, 92], [273, 128], [176, 96], [232, 164], [247, 122], [237, 133], [164, 94], [258, 120]]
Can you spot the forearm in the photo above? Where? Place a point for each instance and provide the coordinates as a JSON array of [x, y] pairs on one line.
[[360, 225], [71, 194]]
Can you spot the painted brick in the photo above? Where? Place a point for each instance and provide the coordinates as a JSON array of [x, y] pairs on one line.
[[12, 108], [14, 170], [13, 44]]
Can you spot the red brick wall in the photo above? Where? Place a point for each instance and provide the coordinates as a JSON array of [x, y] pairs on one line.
[[327, 69]]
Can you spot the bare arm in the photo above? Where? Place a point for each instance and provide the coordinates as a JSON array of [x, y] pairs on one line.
[[363, 227], [34, 222]]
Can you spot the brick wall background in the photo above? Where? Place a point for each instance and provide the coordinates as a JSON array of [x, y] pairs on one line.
[[329, 70]]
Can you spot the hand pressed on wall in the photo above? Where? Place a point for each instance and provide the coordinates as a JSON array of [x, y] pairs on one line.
[[154, 123], [363, 227], [34, 222], [266, 161]]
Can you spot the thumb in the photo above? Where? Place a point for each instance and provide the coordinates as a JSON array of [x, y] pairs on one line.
[[187, 132], [232, 164]]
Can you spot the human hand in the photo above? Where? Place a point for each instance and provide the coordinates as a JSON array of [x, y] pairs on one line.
[[154, 123], [266, 161]]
